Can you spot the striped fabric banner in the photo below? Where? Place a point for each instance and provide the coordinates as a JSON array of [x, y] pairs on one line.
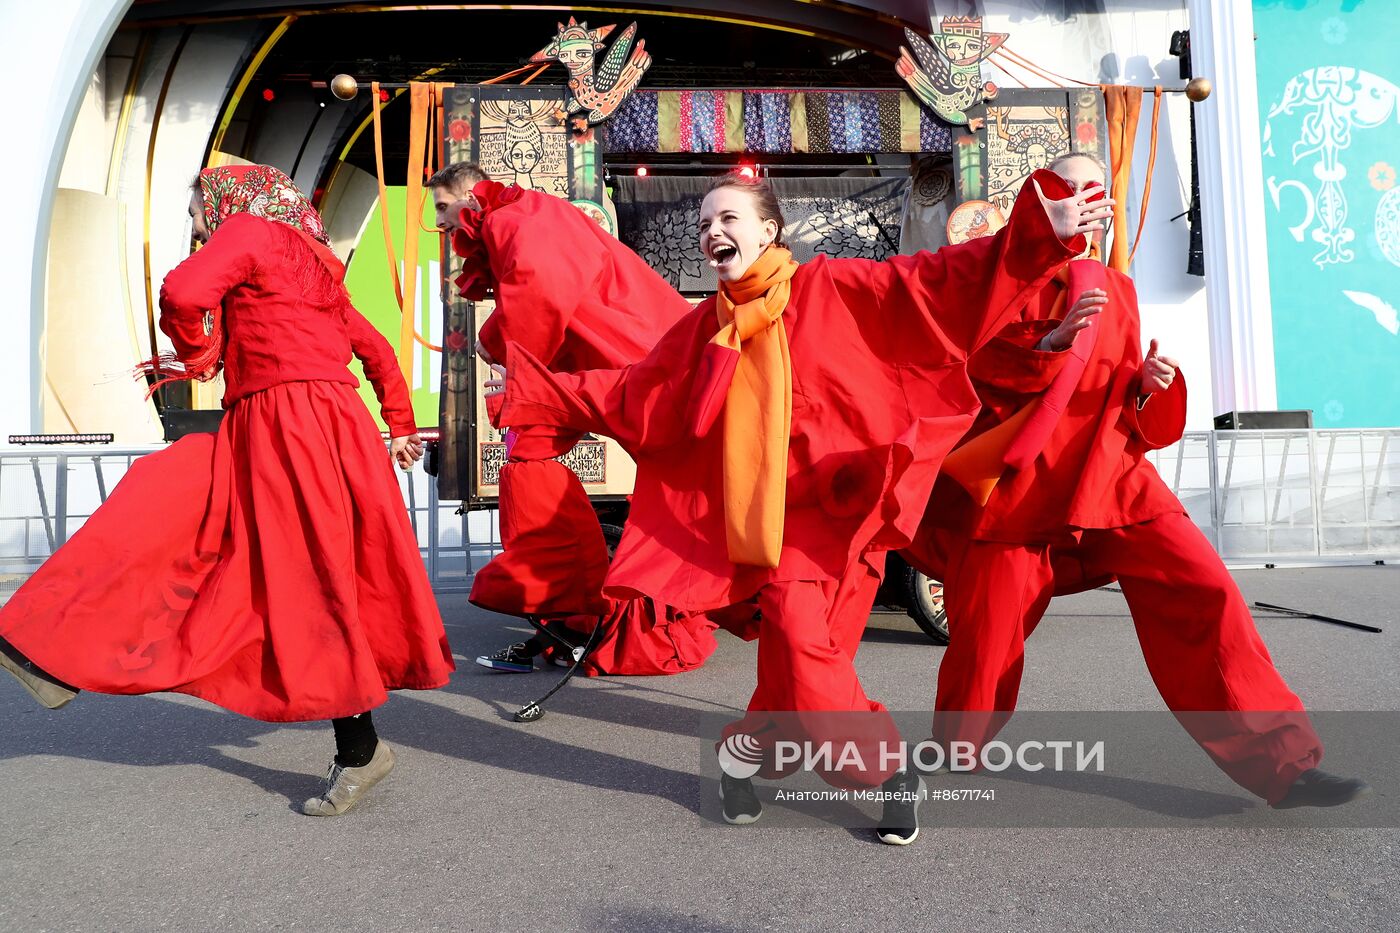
[[776, 122]]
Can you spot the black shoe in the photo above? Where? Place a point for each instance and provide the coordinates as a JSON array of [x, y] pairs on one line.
[[1317, 788], [517, 659], [899, 824], [741, 804]]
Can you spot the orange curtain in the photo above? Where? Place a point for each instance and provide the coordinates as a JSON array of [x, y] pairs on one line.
[[1123, 105]]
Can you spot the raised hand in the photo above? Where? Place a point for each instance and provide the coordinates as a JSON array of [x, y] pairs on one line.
[[1157, 371], [1090, 303], [1083, 212]]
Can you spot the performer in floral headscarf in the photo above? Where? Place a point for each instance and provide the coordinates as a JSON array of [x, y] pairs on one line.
[[268, 568]]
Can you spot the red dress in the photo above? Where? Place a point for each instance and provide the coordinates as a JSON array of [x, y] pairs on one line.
[[269, 568], [576, 299], [1087, 509]]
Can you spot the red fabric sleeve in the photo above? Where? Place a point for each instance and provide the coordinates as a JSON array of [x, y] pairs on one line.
[[964, 293], [199, 284], [640, 406], [540, 279], [1162, 419], [1010, 365], [382, 370]]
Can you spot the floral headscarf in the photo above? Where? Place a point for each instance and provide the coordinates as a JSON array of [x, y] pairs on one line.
[[260, 190]]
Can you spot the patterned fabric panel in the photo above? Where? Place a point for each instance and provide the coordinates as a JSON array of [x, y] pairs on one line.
[[839, 217], [777, 122]]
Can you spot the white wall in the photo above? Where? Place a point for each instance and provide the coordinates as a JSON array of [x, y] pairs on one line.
[[1128, 47], [48, 54]]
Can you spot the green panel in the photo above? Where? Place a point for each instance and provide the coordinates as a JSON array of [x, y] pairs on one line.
[[372, 290]]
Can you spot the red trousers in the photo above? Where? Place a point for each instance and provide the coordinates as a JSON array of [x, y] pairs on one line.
[[1197, 637], [806, 673]]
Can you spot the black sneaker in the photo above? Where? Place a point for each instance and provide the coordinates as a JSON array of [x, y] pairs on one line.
[[517, 659], [899, 824], [1317, 788], [741, 804]]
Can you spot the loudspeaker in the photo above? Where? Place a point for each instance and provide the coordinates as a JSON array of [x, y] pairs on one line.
[[1264, 420], [178, 422]]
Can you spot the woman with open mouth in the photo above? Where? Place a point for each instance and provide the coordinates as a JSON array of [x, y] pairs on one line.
[[787, 434]]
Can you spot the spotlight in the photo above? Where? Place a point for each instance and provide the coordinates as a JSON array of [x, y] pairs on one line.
[[60, 438], [269, 94], [642, 171], [747, 171]]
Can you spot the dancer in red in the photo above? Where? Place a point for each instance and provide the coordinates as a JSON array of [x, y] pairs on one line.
[[576, 299], [787, 433], [270, 568], [1053, 495]]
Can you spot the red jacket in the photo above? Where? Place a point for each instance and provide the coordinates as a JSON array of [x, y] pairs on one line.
[[566, 291], [281, 321], [880, 394], [1092, 471]]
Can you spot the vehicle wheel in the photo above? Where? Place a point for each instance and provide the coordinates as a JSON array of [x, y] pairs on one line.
[[926, 605], [612, 536]]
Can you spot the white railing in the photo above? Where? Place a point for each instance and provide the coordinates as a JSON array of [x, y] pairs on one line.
[[46, 493], [1291, 496], [1262, 497]]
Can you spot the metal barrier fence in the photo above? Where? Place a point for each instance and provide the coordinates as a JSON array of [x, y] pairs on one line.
[[46, 493], [1290, 496], [1260, 496]]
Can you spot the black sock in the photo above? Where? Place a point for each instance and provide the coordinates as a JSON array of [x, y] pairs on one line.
[[355, 740]]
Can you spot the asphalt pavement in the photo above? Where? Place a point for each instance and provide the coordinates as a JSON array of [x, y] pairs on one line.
[[165, 813]]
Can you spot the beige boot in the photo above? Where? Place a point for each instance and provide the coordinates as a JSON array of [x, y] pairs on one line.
[[48, 690], [345, 786]]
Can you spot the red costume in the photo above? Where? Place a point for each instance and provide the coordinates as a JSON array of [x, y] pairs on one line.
[[879, 395], [576, 299], [1085, 508], [270, 568]]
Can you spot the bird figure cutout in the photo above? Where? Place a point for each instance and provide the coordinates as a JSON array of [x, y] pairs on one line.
[[598, 91], [945, 72]]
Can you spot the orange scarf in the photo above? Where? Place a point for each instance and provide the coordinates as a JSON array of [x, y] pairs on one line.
[[757, 407]]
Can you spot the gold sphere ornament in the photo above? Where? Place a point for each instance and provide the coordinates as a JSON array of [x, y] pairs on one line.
[[1198, 89], [345, 87]]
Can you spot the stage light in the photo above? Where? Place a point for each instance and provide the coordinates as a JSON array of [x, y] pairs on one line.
[[747, 171], [383, 96], [269, 94], [642, 171], [425, 434], [60, 438]]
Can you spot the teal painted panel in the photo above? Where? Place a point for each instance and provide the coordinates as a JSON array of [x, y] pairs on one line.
[[1329, 98]]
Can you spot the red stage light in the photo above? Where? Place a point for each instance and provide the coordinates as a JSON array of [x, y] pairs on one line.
[[383, 96], [269, 93], [747, 171], [642, 171]]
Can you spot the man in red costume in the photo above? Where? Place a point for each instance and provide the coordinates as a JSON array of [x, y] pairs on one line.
[[1053, 495], [786, 434], [577, 299]]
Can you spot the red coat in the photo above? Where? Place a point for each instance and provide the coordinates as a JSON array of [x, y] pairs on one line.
[[1092, 472], [565, 290], [269, 568], [273, 336], [880, 394]]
